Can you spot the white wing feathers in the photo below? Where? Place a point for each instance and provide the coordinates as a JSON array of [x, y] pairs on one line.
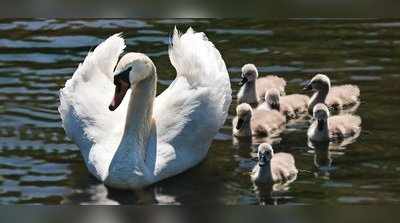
[[84, 99], [202, 80], [196, 58]]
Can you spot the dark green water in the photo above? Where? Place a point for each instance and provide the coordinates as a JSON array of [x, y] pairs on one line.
[[39, 164]]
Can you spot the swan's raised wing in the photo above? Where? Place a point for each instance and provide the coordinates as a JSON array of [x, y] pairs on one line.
[[196, 104], [84, 99]]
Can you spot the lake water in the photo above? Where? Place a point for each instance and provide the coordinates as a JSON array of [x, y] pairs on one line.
[[39, 164]]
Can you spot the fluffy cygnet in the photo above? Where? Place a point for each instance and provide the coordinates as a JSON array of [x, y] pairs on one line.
[[336, 97], [289, 105], [273, 168], [253, 88], [258, 122], [326, 128]]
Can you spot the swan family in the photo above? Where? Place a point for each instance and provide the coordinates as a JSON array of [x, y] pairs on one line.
[[130, 138]]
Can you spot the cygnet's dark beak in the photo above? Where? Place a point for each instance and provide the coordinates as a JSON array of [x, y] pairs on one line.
[[243, 81], [262, 160], [307, 86], [239, 123]]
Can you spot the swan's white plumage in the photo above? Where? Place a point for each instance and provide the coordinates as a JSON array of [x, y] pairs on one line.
[[84, 99], [187, 114]]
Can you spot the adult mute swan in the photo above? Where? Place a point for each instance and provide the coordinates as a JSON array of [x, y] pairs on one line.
[[138, 139]]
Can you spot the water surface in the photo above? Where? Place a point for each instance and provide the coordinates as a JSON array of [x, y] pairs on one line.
[[39, 164]]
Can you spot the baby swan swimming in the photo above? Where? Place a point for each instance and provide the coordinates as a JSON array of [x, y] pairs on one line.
[[273, 168], [257, 122], [289, 105], [253, 89], [336, 97], [338, 127]]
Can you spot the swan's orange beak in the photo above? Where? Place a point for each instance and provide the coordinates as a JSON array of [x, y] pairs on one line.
[[121, 82]]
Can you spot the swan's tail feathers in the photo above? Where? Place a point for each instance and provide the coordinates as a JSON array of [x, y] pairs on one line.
[[196, 58], [85, 97]]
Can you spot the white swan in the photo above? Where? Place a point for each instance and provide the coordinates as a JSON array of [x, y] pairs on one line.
[[145, 140]]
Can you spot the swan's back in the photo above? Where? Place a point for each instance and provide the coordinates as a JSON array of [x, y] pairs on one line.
[[266, 122], [283, 167], [298, 102], [343, 95], [341, 126], [263, 84]]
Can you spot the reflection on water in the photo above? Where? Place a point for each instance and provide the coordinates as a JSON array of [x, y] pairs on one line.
[[323, 152], [39, 164]]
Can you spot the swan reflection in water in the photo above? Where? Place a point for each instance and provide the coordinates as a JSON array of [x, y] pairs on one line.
[[103, 195], [96, 215], [323, 152]]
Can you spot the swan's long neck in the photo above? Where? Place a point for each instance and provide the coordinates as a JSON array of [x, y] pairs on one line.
[[322, 128], [245, 129], [139, 121], [264, 172], [318, 97], [250, 93]]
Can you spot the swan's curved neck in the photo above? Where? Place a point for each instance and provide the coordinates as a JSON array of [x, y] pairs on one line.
[[318, 97], [139, 120], [245, 129], [265, 171], [250, 91], [322, 128]]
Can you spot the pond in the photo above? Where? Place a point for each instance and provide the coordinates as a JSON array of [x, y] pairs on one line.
[[39, 164]]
